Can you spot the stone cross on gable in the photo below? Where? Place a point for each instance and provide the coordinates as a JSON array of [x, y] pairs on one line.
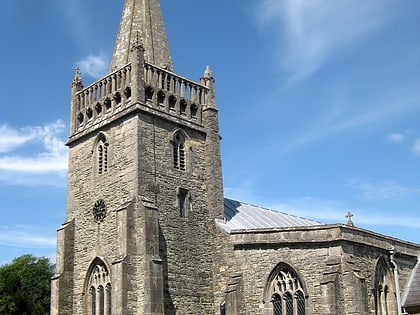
[[349, 217]]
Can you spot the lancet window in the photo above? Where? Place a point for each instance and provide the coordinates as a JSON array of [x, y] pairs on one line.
[[179, 158], [286, 293], [99, 290], [384, 292], [184, 202], [101, 155]]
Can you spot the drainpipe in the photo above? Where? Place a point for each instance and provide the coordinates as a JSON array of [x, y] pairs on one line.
[[392, 253]]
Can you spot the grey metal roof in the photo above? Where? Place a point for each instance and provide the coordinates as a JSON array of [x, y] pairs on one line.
[[412, 293], [243, 216]]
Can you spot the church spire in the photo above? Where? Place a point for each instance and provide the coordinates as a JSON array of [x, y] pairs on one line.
[[142, 19]]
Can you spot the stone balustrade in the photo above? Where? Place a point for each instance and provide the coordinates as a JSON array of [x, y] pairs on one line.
[[174, 94], [103, 96], [163, 91]]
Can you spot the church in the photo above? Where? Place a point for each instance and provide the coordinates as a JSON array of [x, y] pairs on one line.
[[147, 228]]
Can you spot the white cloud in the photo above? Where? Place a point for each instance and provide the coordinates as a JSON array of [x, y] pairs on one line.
[[396, 137], [94, 65], [416, 147], [29, 166], [382, 190], [317, 30], [25, 237], [12, 138]]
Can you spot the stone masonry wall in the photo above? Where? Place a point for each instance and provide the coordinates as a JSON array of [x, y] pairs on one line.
[[351, 264], [115, 187], [184, 241]]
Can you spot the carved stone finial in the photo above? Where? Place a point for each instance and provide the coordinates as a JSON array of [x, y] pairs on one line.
[[208, 74], [167, 67], [77, 79], [349, 217]]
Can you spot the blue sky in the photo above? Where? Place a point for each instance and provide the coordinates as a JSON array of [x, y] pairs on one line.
[[319, 105]]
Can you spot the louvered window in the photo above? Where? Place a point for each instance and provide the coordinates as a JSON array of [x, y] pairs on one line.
[[179, 152], [102, 154]]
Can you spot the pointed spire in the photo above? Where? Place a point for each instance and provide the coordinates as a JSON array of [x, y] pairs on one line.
[[142, 21]]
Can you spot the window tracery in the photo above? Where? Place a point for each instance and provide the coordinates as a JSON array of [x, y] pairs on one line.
[[385, 301], [286, 293], [99, 290]]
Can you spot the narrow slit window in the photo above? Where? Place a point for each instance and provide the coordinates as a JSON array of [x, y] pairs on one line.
[[184, 201]]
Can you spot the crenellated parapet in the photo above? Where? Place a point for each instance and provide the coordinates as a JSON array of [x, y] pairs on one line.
[[162, 89]]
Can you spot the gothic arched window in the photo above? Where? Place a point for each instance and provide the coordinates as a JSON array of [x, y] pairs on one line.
[[99, 289], [101, 154], [286, 292], [384, 292], [179, 158]]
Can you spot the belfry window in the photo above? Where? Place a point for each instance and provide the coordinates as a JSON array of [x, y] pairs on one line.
[[99, 290], [102, 154], [286, 292], [178, 144]]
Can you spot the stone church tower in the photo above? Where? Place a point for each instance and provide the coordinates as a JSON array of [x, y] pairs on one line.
[[148, 231], [144, 183]]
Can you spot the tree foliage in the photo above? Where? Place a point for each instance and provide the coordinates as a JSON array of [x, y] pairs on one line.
[[25, 286]]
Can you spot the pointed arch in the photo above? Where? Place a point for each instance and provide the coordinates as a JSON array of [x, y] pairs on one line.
[[101, 151], [285, 292], [98, 289], [178, 141], [384, 289]]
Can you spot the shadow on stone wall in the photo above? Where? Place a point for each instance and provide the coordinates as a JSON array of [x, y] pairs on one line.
[[168, 303]]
